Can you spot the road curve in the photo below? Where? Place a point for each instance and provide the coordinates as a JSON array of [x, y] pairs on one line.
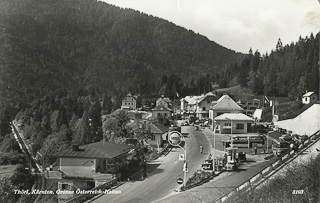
[[163, 173]]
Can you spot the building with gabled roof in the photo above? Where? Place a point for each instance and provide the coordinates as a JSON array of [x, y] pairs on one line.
[[164, 101], [158, 132], [224, 104], [129, 102], [198, 105], [88, 166], [161, 111], [233, 123], [309, 98], [87, 160], [203, 105]]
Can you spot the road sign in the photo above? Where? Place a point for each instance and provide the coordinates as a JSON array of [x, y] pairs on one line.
[[181, 157], [180, 181], [185, 167], [175, 138]]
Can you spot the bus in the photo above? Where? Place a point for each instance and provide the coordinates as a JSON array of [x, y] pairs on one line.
[[246, 141], [280, 147]]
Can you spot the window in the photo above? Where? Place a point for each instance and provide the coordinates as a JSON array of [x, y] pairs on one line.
[[165, 114], [306, 99], [203, 108], [208, 102], [65, 186], [227, 124], [240, 126]]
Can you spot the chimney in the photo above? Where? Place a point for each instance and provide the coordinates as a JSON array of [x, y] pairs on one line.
[[75, 147]]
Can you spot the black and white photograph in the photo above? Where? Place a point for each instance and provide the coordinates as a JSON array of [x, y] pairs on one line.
[[159, 101]]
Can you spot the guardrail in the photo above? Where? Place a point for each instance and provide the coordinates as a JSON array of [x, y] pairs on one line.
[[276, 165]]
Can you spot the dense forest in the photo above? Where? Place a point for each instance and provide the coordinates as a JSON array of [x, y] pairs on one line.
[[288, 70], [49, 45]]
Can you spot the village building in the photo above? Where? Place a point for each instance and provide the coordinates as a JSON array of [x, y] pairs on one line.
[[249, 106], [164, 101], [203, 105], [197, 105], [233, 123], [309, 98], [224, 104], [161, 111], [129, 102], [159, 133]]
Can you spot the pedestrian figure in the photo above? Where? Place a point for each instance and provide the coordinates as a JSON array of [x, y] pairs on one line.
[[201, 149]]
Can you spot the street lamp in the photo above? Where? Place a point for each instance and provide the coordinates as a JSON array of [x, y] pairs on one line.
[[231, 131], [175, 140], [214, 141]]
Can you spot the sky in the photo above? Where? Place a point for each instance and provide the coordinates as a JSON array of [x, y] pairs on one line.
[[237, 24]]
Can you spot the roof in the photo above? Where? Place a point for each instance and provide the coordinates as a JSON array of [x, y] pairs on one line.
[[308, 122], [233, 117], [205, 96], [308, 94], [226, 103], [166, 99], [161, 108], [275, 134], [130, 95], [96, 150], [191, 100], [157, 127]]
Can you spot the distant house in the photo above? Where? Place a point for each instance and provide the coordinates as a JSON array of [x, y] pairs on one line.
[[233, 123], [249, 106], [203, 105], [198, 105], [93, 159], [225, 104], [164, 101], [161, 111], [188, 105], [158, 132], [129, 102], [309, 98]]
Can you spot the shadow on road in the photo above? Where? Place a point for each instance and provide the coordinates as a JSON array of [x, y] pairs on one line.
[[153, 169]]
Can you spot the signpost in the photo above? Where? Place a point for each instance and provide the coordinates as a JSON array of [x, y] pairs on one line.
[[181, 157], [175, 140]]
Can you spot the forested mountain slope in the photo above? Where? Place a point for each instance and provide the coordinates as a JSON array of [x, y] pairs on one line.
[[47, 45]]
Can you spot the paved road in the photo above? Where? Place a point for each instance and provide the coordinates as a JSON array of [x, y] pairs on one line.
[[219, 186], [163, 172]]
